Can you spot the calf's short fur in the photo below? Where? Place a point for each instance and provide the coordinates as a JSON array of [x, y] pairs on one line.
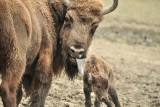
[[99, 79]]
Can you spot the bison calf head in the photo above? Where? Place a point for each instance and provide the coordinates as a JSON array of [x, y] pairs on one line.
[[81, 20], [100, 87]]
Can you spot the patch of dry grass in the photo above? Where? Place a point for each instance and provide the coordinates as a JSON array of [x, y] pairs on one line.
[[133, 22], [137, 11]]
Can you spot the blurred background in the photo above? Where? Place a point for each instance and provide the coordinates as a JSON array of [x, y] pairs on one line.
[[135, 22]]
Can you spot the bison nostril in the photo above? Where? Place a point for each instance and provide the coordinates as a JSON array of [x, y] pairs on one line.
[[76, 52], [81, 52], [71, 52]]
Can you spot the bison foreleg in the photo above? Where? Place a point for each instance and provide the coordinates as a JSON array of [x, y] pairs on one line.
[[87, 93], [38, 97], [113, 94], [109, 103], [41, 85], [41, 79]]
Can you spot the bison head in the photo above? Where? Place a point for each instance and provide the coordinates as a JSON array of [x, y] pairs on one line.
[[80, 23]]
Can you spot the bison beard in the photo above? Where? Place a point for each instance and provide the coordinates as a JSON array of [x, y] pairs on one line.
[[70, 64], [63, 59], [71, 68]]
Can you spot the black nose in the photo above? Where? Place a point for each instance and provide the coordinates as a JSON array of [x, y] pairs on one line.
[[75, 52]]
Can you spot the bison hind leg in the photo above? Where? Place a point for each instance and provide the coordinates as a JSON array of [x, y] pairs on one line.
[[87, 93]]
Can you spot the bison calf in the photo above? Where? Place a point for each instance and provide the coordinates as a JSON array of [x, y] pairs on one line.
[[98, 78]]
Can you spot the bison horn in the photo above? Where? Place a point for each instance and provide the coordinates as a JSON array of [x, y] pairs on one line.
[[110, 8], [66, 2]]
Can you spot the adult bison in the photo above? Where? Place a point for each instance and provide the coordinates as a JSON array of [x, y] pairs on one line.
[[39, 37]]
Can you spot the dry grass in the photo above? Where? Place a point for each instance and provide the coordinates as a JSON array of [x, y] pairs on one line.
[[134, 22]]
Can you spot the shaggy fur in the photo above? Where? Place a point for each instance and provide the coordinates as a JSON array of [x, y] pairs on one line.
[[34, 40], [98, 77]]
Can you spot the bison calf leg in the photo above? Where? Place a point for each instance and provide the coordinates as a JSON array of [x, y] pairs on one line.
[[109, 103], [97, 103], [114, 96], [87, 93]]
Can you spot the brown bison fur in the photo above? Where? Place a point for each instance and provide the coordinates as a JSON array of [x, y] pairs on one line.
[[99, 78], [34, 40]]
